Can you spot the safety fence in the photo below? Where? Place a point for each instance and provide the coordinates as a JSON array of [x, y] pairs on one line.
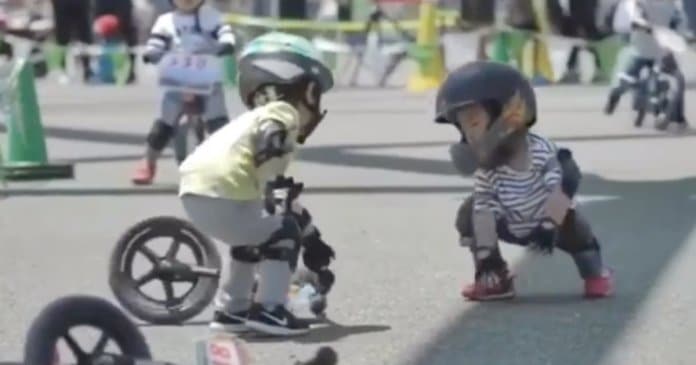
[[393, 31]]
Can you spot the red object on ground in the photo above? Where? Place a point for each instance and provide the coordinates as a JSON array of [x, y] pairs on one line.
[[106, 26]]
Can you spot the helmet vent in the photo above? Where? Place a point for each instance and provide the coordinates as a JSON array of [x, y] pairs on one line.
[[279, 68]]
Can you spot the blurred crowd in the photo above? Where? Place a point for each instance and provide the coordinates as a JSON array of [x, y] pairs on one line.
[[75, 22]]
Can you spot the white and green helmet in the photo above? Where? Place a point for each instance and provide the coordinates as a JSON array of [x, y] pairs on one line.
[[285, 62]]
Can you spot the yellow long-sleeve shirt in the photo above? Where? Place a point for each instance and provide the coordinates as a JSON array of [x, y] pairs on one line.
[[223, 165]]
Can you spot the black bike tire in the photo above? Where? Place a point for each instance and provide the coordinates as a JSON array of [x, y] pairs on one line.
[[140, 306], [58, 317]]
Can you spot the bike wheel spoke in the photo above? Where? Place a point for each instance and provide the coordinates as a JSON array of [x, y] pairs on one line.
[[74, 346], [168, 291], [151, 255], [173, 249], [146, 278], [101, 344]]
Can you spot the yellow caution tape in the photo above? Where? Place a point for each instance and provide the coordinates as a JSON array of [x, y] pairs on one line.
[[446, 18]]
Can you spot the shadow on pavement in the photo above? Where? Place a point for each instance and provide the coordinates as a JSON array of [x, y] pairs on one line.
[[163, 189], [549, 323], [197, 323], [136, 139], [331, 332]]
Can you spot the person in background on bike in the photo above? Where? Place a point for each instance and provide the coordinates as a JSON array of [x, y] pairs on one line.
[[224, 182], [123, 10], [523, 185], [190, 17], [640, 17], [71, 18]]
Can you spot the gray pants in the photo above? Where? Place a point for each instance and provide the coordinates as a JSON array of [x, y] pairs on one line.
[[173, 106], [239, 223]]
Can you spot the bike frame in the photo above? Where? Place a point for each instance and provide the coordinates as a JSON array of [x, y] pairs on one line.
[[651, 91], [192, 118]]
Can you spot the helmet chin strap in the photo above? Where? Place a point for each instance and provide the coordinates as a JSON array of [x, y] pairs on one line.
[[316, 116], [311, 101]]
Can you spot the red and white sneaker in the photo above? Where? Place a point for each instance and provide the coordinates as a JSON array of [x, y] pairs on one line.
[[494, 285], [144, 173], [601, 286]]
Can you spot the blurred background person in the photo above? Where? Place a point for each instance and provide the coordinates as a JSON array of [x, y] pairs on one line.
[[72, 21], [123, 10]]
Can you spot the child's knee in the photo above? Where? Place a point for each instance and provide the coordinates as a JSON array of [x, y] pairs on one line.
[[464, 221], [160, 134], [576, 234]]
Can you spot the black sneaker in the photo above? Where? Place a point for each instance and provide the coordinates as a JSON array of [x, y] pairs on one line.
[[278, 322], [229, 322]]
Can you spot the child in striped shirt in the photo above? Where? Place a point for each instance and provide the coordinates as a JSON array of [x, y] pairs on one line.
[[524, 186]]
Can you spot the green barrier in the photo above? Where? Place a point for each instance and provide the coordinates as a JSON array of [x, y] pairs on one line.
[[623, 58], [27, 157], [421, 54], [608, 50], [122, 65], [2, 170], [508, 47], [526, 51], [55, 55]]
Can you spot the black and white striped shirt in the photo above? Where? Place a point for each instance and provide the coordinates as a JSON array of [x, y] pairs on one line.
[[518, 196]]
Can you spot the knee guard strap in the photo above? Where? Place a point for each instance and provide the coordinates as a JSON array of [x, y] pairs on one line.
[[267, 251], [289, 230], [159, 135], [279, 254], [247, 254], [254, 254], [213, 125]]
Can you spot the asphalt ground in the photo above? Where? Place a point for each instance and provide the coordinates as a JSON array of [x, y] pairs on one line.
[[384, 193]]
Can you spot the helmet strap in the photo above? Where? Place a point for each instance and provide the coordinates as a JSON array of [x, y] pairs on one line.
[[312, 102]]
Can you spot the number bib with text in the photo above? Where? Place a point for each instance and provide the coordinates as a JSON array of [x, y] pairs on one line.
[[189, 71]]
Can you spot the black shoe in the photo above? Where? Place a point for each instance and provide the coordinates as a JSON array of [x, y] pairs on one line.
[[229, 322], [277, 322]]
